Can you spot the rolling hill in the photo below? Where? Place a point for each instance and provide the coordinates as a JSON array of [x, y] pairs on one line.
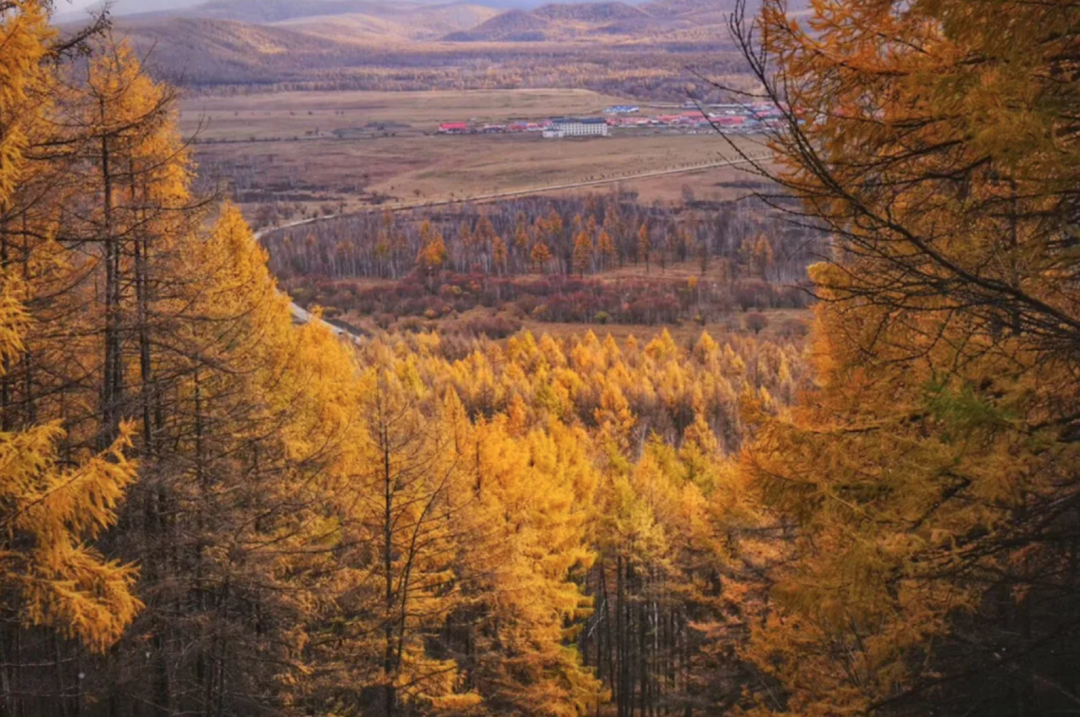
[[659, 21], [512, 26], [215, 52], [416, 45], [598, 12], [400, 22]]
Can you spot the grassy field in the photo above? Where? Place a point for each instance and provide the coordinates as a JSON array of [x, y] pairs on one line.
[[386, 151], [299, 114]]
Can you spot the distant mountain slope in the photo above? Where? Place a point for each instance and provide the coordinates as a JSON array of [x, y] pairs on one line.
[[346, 21], [597, 12], [658, 22], [688, 9], [609, 20], [405, 21], [685, 7], [417, 45], [512, 26], [560, 21], [224, 51]]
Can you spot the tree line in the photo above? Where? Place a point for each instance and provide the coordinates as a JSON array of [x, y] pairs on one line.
[[580, 235]]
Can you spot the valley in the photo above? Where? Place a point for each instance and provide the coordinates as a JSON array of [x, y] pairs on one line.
[[512, 358], [305, 154]]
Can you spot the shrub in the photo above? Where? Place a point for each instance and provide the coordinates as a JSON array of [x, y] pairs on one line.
[[756, 321], [794, 328]]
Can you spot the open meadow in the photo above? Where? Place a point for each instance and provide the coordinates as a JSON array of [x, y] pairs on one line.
[[287, 115], [334, 151]]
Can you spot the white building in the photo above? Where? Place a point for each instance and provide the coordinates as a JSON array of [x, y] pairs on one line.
[[581, 126]]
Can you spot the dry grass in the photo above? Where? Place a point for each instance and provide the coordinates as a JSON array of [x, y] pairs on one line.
[[294, 114], [390, 153], [446, 168]]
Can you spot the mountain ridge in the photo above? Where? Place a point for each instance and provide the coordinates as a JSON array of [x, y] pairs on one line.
[[608, 20]]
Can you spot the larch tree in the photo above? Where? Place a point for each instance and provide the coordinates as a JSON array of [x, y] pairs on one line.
[[405, 523], [540, 256], [583, 253], [52, 506], [930, 479], [644, 246], [605, 245], [56, 498], [530, 498], [499, 254]]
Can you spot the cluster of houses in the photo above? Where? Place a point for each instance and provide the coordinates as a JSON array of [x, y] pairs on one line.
[[734, 118]]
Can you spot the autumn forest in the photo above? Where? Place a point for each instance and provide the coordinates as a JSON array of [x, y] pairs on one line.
[[210, 508]]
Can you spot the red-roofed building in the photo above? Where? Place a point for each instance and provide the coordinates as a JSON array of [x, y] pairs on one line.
[[454, 128], [729, 121]]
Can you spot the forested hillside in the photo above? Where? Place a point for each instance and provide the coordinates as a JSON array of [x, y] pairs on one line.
[[210, 510]]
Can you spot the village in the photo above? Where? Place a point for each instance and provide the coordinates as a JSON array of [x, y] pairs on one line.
[[727, 118]]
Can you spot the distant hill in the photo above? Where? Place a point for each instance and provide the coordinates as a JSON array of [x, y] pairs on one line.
[[224, 51], [597, 12], [347, 21], [649, 21], [512, 26], [428, 44], [394, 21], [689, 9]]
